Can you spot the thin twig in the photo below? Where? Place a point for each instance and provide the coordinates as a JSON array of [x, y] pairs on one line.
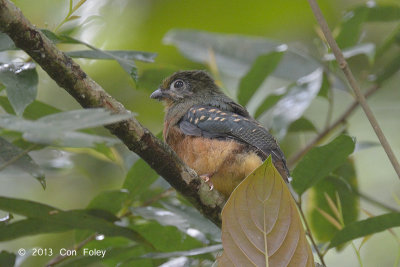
[[329, 129], [308, 229], [61, 258], [352, 81]]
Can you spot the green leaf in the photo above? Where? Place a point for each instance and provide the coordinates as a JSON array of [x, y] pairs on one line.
[[389, 70], [325, 86], [367, 49], [46, 219], [343, 186], [6, 43], [7, 259], [39, 109], [21, 81], [139, 178], [14, 156], [320, 161], [365, 227], [302, 125], [262, 67], [111, 201], [58, 129], [353, 20], [268, 103], [172, 239]]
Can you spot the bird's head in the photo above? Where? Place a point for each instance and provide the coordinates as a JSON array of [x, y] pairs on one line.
[[183, 85]]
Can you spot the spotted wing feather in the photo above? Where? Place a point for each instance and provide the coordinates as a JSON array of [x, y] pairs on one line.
[[211, 122]]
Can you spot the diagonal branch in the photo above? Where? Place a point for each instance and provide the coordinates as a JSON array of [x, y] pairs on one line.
[[68, 75], [353, 83]]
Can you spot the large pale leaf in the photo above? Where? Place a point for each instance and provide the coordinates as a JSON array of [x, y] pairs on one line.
[[58, 128], [341, 183], [261, 225], [21, 81], [17, 158], [365, 227], [320, 161], [263, 66]]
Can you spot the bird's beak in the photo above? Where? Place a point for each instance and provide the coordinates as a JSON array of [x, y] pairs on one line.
[[158, 94]]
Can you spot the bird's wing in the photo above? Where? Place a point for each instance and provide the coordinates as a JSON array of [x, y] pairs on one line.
[[211, 122]]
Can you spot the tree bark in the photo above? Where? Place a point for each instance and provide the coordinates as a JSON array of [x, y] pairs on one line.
[[69, 75]]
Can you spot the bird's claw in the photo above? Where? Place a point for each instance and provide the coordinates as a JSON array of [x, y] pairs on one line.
[[207, 180]]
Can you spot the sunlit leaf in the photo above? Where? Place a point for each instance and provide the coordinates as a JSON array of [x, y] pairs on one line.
[[320, 161], [46, 219], [343, 182], [365, 227], [21, 81], [11, 155], [260, 223], [262, 67], [7, 259]]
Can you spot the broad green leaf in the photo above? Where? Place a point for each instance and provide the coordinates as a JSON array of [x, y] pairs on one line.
[[111, 201], [353, 20], [21, 81], [321, 161], [325, 86], [262, 67], [172, 239], [302, 125], [365, 227], [39, 109], [11, 155], [323, 230], [261, 225], [7, 259], [268, 103], [139, 178], [46, 219], [58, 129]]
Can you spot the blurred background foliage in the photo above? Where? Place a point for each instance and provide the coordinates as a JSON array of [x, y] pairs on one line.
[[170, 28]]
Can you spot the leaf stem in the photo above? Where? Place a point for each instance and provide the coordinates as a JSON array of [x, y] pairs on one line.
[[353, 83], [308, 230]]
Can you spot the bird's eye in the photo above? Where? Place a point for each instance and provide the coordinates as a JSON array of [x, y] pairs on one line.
[[178, 84]]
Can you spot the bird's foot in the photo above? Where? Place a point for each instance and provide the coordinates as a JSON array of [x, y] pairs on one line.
[[207, 180]]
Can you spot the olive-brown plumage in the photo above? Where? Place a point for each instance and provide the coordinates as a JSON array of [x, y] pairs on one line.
[[211, 133]]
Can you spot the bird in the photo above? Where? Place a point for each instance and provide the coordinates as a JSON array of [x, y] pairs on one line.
[[212, 133]]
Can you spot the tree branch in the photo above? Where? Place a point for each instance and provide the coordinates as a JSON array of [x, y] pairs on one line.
[[89, 94], [353, 83]]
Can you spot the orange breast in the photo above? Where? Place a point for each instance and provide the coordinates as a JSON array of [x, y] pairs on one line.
[[226, 161]]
